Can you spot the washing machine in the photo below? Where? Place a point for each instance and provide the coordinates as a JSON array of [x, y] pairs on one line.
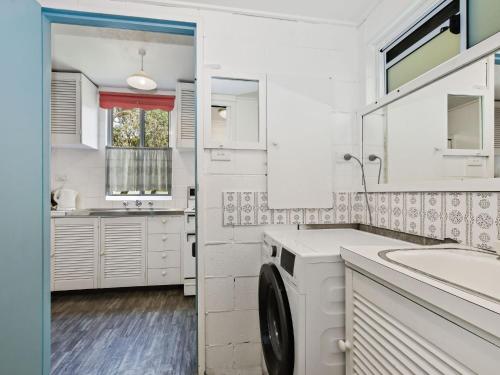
[[301, 298]]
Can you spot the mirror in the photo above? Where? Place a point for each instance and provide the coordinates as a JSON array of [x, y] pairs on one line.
[[236, 113], [465, 122], [443, 131]]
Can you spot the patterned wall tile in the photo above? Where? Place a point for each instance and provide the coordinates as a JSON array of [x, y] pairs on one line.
[[326, 215], [397, 201], [383, 210], [432, 215], [484, 212], [264, 214], [358, 208], [296, 216], [312, 216], [470, 218], [413, 213], [230, 213], [247, 201], [342, 208], [456, 223]]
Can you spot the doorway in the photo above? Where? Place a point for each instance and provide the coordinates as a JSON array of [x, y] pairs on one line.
[[119, 249]]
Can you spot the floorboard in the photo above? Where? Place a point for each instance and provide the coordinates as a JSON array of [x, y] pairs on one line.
[[124, 331]]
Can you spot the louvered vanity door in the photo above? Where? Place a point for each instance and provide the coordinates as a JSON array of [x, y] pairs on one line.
[[186, 114], [65, 108], [74, 253], [123, 252]]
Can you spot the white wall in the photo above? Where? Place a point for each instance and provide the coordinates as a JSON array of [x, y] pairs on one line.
[[229, 257], [85, 171]]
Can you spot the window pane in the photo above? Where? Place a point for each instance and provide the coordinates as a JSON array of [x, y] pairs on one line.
[[156, 128], [126, 127], [483, 20], [436, 51]]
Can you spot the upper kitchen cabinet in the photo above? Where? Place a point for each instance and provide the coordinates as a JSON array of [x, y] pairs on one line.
[[299, 152], [74, 111], [186, 114]]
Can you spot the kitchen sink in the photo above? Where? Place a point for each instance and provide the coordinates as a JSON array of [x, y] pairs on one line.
[[475, 271]]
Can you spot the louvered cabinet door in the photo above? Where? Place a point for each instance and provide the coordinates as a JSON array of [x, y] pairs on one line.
[[65, 106], [74, 253], [186, 114], [123, 252], [391, 334]]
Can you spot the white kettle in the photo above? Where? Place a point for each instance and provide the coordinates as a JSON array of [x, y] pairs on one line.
[[65, 199]]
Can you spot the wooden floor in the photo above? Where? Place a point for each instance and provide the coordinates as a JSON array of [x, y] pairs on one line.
[[124, 331]]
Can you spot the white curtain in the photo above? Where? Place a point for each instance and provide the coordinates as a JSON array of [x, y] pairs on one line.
[[138, 169]]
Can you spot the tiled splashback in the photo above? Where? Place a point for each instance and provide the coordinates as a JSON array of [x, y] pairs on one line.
[[471, 218]]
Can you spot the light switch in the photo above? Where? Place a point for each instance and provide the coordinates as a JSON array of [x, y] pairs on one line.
[[221, 155]]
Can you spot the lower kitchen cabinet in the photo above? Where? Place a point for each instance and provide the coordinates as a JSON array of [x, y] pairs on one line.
[[111, 252], [123, 252], [74, 253]]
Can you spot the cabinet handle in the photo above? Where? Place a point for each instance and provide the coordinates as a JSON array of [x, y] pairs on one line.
[[103, 253], [344, 345], [193, 249], [164, 256], [164, 221], [163, 273], [164, 238]]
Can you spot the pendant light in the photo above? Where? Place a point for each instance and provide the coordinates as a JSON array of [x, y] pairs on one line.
[[140, 80]]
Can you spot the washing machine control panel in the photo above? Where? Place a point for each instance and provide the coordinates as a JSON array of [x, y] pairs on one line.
[[287, 260]]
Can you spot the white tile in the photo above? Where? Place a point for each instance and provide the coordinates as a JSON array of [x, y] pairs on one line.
[[219, 293], [247, 355], [311, 216], [383, 209], [246, 290], [413, 213], [247, 207], [232, 327], [246, 326], [432, 212], [215, 230], [396, 221], [296, 216], [219, 260], [456, 217], [341, 207], [484, 212], [230, 203], [248, 234], [264, 214], [219, 357], [246, 259]]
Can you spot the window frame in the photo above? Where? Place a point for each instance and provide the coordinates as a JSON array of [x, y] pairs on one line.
[[142, 138], [429, 36]]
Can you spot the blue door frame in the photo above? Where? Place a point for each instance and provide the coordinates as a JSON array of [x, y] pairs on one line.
[[50, 16]]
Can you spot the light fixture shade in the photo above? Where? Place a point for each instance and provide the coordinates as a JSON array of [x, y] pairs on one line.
[[141, 81]]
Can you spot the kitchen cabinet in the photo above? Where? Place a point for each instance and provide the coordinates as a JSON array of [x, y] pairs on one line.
[[299, 141], [186, 114], [74, 111], [74, 253], [123, 252]]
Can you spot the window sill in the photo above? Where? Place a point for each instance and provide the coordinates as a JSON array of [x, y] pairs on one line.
[[138, 198]]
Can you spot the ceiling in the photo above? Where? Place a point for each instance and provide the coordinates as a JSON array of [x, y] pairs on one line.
[[349, 11], [109, 56]]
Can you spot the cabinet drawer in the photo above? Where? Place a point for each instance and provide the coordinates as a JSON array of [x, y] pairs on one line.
[[163, 259], [165, 224], [161, 242], [164, 276]]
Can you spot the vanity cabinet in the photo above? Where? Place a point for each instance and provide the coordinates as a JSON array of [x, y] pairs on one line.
[[74, 111], [123, 252], [74, 253], [389, 333]]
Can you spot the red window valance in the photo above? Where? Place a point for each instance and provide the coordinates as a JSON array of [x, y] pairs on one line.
[[128, 101]]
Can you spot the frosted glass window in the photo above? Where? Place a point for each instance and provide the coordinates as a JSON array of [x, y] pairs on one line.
[[483, 20], [438, 50]]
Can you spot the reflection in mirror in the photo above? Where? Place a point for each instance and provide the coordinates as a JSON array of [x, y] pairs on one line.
[[443, 131], [464, 122], [234, 111]]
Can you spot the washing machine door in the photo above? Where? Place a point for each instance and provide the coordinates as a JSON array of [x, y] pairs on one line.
[[276, 328]]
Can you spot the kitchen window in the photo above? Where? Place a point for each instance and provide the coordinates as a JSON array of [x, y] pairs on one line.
[[138, 156]]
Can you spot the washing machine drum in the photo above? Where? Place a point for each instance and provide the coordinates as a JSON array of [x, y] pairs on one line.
[[276, 329]]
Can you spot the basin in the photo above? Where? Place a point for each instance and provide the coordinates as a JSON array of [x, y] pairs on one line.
[[475, 271]]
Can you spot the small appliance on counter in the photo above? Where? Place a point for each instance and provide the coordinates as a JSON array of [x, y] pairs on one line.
[[65, 199]]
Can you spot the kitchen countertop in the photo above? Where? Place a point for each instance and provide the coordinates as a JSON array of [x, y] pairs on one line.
[[109, 212]]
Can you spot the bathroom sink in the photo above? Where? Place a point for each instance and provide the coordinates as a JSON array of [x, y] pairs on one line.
[[475, 271]]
